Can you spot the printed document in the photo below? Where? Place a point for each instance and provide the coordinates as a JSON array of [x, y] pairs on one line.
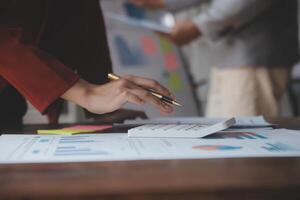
[[116, 147]]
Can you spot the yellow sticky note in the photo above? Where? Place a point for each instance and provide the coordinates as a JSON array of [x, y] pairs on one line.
[[55, 132], [73, 130]]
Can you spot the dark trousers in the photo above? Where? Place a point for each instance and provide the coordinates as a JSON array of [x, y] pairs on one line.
[[12, 108]]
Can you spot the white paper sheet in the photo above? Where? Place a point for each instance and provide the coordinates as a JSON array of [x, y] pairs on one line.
[[111, 147]]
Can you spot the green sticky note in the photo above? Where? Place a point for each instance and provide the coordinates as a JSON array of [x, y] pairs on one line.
[[165, 45], [175, 82]]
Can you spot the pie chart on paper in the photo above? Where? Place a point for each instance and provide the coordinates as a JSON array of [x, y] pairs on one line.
[[216, 147]]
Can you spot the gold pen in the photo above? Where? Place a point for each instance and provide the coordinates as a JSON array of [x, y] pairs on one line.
[[154, 93]]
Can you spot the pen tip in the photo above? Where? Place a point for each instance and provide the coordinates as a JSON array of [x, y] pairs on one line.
[[176, 103]]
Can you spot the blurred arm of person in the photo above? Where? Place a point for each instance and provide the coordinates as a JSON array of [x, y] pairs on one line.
[[220, 17], [172, 5], [150, 4], [183, 32], [226, 16]]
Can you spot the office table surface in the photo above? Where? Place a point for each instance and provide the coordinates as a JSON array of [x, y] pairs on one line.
[[233, 178]]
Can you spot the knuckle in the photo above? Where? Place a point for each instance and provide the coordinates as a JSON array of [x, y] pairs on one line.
[[149, 95], [123, 83], [155, 84], [156, 100], [126, 93], [119, 90], [160, 103], [128, 77], [144, 93]]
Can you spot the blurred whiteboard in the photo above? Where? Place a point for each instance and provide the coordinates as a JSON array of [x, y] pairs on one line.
[[140, 51]]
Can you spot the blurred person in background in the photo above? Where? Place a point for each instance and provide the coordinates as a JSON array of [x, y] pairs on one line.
[[56, 50], [252, 43]]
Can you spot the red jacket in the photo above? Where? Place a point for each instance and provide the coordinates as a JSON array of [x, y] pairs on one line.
[[43, 43]]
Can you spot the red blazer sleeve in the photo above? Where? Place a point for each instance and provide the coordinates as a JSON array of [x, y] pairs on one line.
[[39, 77]]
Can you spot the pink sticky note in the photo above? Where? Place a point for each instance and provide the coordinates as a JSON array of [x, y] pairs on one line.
[[149, 45], [171, 62]]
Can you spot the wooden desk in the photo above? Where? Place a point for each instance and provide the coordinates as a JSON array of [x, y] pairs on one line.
[[247, 178]]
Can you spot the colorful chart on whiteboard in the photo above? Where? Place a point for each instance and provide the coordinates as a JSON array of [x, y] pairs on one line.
[[143, 52]]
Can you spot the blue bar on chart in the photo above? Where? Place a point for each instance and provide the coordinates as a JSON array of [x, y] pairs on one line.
[[77, 146], [236, 135], [75, 139], [77, 151], [278, 147]]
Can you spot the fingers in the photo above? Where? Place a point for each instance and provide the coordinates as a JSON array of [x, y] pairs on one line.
[[148, 97], [184, 32], [130, 92], [122, 98], [112, 96], [131, 97], [150, 84], [176, 35]]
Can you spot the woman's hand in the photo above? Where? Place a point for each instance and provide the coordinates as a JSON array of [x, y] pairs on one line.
[[184, 32], [109, 97]]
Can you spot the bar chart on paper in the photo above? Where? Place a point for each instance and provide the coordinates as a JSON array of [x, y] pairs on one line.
[[237, 135], [278, 147], [70, 146]]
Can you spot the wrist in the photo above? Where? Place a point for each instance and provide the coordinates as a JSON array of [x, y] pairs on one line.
[[194, 30], [79, 93]]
